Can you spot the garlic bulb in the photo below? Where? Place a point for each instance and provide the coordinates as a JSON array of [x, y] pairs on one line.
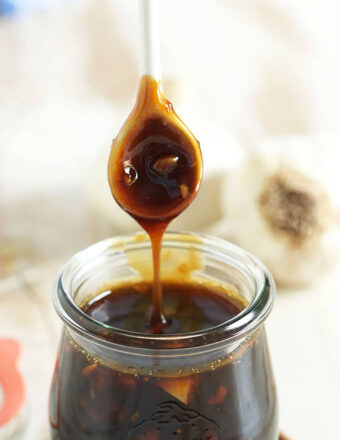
[[283, 204]]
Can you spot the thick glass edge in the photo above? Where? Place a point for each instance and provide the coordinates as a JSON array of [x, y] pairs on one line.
[[226, 333]]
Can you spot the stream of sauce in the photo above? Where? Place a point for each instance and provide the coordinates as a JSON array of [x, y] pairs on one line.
[[155, 170]]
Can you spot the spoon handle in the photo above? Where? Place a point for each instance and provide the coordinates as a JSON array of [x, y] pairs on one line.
[[149, 40]]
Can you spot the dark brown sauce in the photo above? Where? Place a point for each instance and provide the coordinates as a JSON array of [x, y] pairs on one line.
[[155, 169], [188, 307], [230, 397]]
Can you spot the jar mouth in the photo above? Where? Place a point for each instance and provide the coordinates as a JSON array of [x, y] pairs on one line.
[[246, 266]]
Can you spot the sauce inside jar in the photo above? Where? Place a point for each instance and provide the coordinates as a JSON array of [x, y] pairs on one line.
[[226, 397]]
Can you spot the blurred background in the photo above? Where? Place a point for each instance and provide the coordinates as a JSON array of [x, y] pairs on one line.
[[258, 83]]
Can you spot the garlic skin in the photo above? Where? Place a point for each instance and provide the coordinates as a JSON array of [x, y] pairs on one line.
[[283, 205]]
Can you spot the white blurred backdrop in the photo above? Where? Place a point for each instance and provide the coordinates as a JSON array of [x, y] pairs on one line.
[[238, 72]]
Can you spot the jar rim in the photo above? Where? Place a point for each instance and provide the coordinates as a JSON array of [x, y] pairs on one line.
[[248, 320]]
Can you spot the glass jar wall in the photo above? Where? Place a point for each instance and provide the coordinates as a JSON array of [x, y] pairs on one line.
[[214, 384]]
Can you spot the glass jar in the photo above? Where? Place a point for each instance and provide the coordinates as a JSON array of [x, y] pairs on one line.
[[215, 384]]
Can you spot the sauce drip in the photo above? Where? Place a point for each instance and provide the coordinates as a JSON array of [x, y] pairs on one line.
[[155, 170]]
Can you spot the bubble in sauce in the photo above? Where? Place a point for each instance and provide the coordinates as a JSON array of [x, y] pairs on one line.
[[130, 174]]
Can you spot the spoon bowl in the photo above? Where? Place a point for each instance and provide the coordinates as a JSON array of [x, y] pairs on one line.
[[155, 165]]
